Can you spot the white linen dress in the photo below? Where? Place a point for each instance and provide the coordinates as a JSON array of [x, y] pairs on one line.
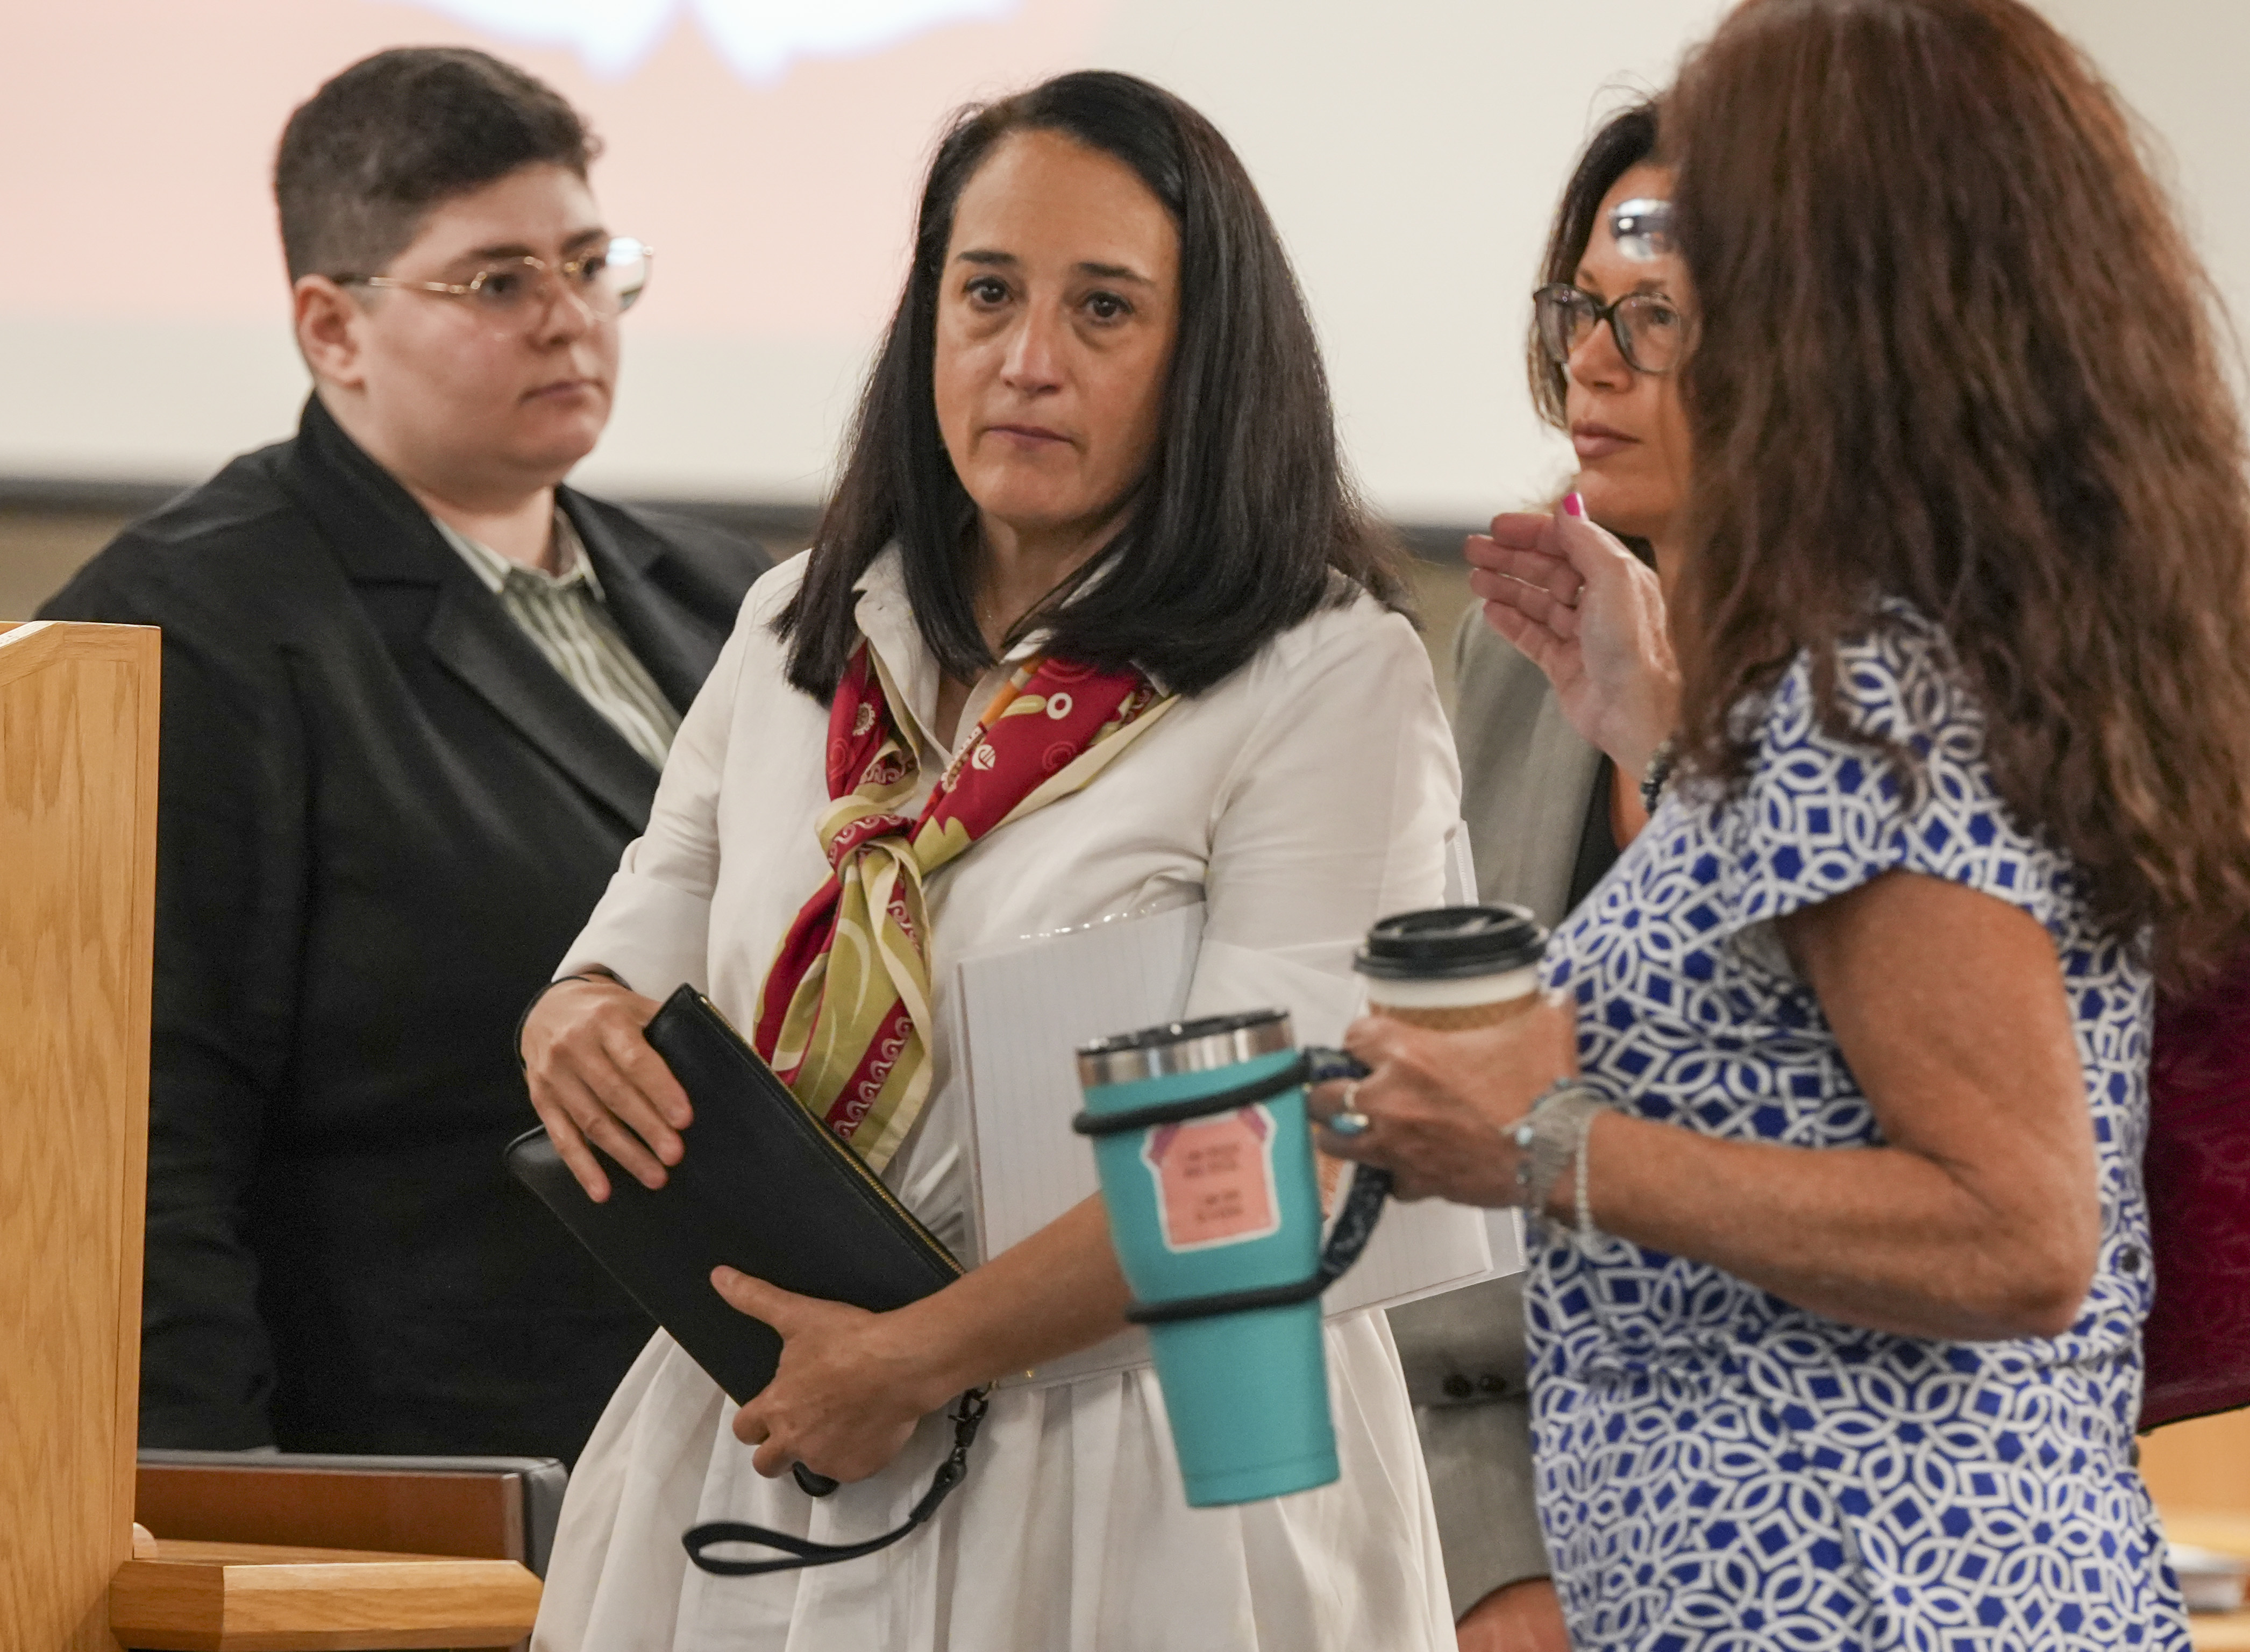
[[1306, 796]]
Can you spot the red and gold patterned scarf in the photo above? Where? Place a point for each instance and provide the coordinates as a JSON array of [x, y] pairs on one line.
[[844, 1014]]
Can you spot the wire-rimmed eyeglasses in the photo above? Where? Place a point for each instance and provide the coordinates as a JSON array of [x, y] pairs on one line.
[[1650, 329], [515, 293]]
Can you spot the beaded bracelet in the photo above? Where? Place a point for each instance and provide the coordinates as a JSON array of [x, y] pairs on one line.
[[1551, 1136], [1659, 773]]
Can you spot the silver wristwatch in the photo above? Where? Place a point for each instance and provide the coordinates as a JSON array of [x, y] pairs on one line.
[[1547, 1138]]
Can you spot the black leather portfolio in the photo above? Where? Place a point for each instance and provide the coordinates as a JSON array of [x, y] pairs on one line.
[[763, 1186]]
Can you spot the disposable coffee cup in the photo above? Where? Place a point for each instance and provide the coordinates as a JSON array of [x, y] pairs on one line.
[[1451, 968]]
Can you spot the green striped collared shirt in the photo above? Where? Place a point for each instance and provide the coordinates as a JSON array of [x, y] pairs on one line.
[[568, 619]]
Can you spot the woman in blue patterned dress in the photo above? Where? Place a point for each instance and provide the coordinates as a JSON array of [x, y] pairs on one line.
[[1835, 1120]]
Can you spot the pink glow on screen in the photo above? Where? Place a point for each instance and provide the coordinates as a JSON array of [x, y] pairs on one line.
[[140, 136]]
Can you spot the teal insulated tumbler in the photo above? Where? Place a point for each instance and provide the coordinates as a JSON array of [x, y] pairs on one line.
[[1207, 1170]]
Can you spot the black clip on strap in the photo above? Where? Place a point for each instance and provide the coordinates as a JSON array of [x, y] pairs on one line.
[[1355, 1223], [967, 1415]]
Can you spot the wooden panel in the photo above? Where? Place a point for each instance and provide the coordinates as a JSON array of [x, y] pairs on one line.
[[78, 796], [479, 1516], [2202, 1466], [227, 1596], [2199, 1474], [2228, 1533], [41, 549]]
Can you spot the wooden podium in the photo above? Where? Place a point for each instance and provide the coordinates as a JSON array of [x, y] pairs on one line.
[[78, 868], [78, 874]]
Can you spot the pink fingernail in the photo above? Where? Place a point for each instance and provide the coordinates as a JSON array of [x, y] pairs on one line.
[[1574, 505]]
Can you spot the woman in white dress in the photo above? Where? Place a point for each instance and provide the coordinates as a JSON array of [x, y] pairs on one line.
[[1093, 627]]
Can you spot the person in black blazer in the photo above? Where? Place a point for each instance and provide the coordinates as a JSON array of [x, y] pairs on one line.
[[383, 812]]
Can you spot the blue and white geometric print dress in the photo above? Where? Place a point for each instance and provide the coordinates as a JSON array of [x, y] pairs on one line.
[[1718, 1468]]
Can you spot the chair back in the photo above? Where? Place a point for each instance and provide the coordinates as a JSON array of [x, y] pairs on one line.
[[2197, 1169]]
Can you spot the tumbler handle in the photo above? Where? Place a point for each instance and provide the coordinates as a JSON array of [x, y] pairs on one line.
[[1322, 1064], [1362, 1200]]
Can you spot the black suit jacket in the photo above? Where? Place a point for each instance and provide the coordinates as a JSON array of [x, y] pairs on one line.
[[383, 816]]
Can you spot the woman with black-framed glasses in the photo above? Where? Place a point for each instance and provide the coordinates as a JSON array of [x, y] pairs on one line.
[[1647, 326], [1550, 791]]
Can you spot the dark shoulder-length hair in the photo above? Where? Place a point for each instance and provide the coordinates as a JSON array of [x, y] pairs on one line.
[[1245, 512], [1624, 141], [1954, 347]]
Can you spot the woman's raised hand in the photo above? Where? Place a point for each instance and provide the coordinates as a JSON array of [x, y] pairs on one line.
[[594, 1078], [1438, 1105], [1590, 614]]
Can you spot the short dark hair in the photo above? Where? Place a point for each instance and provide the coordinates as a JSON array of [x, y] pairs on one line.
[[1625, 139], [364, 161], [1246, 517]]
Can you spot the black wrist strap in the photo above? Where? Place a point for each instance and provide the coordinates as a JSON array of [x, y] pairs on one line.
[[968, 1414], [1355, 1226]]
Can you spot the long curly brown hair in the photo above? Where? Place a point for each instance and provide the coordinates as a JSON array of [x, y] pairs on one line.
[[1955, 348]]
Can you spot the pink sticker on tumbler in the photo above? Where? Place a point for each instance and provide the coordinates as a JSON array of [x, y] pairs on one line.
[[1215, 1179]]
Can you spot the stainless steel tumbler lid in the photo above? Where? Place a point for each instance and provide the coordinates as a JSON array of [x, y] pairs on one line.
[[1202, 1045]]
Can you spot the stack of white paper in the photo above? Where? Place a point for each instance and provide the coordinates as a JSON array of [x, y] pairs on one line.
[[1025, 1009]]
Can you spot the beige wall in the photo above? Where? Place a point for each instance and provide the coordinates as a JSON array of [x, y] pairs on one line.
[[1441, 590], [40, 549]]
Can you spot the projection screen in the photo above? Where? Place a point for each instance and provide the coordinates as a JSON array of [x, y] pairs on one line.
[[769, 148]]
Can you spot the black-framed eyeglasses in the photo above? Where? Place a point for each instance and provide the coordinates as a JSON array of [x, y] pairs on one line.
[[515, 293], [1650, 329]]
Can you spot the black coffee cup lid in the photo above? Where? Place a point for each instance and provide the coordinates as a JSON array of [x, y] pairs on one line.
[[1451, 943]]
